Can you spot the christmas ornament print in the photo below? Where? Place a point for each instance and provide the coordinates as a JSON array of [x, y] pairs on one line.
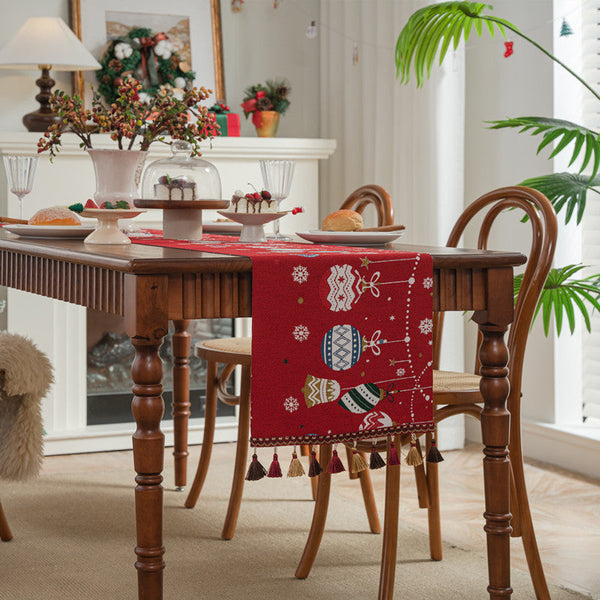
[[341, 347], [317, 390], [362, 398], [376, 419]]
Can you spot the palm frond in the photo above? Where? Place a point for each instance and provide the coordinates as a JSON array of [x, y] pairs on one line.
[[563, 132], [565, 189], [430, 31], [564, 295]]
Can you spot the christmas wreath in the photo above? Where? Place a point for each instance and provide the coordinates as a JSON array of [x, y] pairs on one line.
[[148, 57]]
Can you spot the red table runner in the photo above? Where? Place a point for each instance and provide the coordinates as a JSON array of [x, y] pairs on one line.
[[341, 340]]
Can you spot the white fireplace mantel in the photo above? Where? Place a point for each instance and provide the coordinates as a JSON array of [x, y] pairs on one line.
[[59, 329]]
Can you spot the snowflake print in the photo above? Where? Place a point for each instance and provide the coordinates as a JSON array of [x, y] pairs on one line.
[[426, 326], [300, 274], [428, 283], [400, 372], [291, 404], [301, 333]]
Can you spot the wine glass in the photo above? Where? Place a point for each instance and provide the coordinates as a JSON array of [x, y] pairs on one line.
[[20, 171], [277, 177]]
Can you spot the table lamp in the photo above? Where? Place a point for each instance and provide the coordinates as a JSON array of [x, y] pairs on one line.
[[45, 43]]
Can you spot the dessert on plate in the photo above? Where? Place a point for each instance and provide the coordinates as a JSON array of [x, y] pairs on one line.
[[54, 215], [253, 202], [174, 188]]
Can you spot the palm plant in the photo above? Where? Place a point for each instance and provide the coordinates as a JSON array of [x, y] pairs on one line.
[[430, 32]]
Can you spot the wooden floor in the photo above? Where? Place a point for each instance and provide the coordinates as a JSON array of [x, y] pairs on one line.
[[565, 508]]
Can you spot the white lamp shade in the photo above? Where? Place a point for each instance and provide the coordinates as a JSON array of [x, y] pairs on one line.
[[47, 41]]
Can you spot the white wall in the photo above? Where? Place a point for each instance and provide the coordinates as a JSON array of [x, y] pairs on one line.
[[259, 43], [499, 87]]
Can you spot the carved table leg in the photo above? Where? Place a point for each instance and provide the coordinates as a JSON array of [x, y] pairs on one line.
[[182, 345], [495, 422], [146, 322]]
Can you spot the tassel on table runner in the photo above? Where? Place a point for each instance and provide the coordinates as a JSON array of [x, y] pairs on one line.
[[358, 462], [413, 458], [393, 458], [335, 464], [434, 455], [255, 471], [314, 468], [275, 468], [375, 460], [295, 469]]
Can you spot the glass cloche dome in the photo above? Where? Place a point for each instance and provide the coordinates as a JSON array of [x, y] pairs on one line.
[[181, 177]]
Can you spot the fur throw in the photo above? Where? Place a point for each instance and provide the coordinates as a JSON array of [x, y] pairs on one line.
[[25, 378]]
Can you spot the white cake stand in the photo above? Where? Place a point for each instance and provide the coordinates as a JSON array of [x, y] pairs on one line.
[[108, 231], [252, 224]]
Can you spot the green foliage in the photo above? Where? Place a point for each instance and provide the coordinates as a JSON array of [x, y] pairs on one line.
[[563, 295], [562, 189], [434, 28], [430, 32], [562, 132]]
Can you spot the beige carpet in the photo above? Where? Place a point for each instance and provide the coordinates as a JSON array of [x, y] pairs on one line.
[[74, 539]]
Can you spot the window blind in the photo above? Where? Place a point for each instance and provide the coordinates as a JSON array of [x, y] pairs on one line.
[[591, 220]]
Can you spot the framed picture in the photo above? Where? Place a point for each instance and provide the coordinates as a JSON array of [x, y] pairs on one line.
[[193, 31]]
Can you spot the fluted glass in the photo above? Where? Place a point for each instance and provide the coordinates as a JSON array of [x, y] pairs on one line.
[[20, 171], [277, 178]]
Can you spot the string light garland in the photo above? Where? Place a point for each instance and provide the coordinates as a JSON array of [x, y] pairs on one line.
[[311, 31]]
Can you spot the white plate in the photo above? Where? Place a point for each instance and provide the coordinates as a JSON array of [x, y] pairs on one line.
[[50, 231], [351, 238], [222, 227]]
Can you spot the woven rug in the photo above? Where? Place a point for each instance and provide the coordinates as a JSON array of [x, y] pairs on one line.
[[74, 539]]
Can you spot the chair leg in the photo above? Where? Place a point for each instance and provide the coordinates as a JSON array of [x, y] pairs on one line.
[[319, 517], [241, 457], [351, 473], [532, 554], [390, 529], [433, 510], [5, 532], [210, 414], [366, 488]]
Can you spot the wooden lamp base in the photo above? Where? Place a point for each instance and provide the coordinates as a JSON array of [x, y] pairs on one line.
[[42, 118]]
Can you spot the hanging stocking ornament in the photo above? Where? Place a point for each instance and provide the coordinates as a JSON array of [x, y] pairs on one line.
[[355, 54], [237, 5], [509, 49]]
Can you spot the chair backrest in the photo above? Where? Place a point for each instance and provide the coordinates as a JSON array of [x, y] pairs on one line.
[[543, 223], [375, 195]]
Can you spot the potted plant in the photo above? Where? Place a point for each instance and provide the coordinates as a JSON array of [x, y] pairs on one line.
[[134, 125], [266, 103], [430, 32]]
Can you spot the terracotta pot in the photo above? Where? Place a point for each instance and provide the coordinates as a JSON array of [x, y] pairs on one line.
[[269, 123]]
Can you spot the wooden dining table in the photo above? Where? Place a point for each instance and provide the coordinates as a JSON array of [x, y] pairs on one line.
[[150, 285]]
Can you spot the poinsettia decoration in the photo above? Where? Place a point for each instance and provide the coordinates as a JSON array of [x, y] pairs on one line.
[[274, 95], [150, 58]]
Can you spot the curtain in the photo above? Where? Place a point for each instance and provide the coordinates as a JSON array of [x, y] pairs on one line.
[[408, 140]]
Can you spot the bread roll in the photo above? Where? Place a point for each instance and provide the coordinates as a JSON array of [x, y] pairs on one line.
[[342, 220], [55, 215]]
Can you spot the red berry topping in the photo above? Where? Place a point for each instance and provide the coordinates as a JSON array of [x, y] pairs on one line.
[[257, 196], [265, 195], [90, 204], [249, 196], [297, 209]]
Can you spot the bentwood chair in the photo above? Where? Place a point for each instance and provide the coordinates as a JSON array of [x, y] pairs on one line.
[[458, 393], [371, 195], [231, 352], [25, 377]]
